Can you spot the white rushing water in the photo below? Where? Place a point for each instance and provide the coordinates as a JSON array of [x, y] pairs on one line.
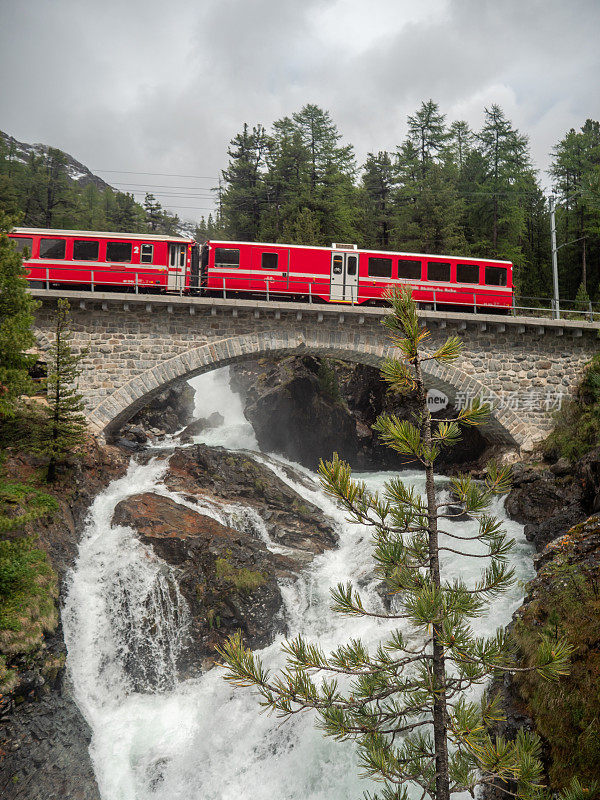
[[155, 738]]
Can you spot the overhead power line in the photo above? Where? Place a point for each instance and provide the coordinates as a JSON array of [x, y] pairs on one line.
[[162, 186], [162, 174]]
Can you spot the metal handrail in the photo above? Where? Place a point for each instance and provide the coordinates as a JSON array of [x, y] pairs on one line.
[[140, 282]]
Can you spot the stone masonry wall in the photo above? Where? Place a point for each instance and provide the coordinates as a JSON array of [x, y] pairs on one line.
[[134, 348]]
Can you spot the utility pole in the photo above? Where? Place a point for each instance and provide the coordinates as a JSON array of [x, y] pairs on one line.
[[556, 301]]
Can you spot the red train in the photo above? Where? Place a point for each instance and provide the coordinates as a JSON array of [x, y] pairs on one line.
[[340, 274]]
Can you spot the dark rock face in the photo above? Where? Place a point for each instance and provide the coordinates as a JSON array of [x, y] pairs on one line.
[[44, 743], [554, 504], [292, 414], [291, 521], [198, 426], [544, 503], [228, 577], [549, 501], [306, 408], [562, 601], [167, 413]]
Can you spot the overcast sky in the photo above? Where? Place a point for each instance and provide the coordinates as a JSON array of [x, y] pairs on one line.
[[161, 86]]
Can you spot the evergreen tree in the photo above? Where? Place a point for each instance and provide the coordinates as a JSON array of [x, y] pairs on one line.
[[427, 133], [429, 211], [302, 228], [63, 429], [575, 171], [56, 194], [330, 175], [321, 137], [406, 704], [124, 213], [582, 299], [286, 182], [532, 274], [378, 182], [153, 212], [243, 198], [502, 171], [16, 320], [459, 143]]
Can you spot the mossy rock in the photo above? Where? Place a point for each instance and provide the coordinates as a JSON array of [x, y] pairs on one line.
[[241, 578]]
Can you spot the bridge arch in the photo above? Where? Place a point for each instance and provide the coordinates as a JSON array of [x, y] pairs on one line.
[[114, 410]]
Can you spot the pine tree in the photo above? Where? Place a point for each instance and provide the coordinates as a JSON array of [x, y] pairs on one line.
[[500, 185], [243, 198], [427, 133], [460, 142], [153, 212], [286, 182], [575, 171], [406, 704], [16, 320], [62, 431], [378, 181], [56, 194], [582, 299]]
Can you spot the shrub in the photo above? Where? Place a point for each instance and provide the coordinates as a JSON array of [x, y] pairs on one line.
[[21, 503], [328, 381], [28, 589]]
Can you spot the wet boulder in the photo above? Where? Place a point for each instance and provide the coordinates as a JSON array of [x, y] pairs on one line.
[[228, 477], [228, 578]]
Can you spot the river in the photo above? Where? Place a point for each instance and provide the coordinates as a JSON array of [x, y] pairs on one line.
[[158, 738]]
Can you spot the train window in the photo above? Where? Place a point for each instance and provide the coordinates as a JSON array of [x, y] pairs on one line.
[[268, 260], [52, 248], [380, 267], [338, 265], [146, 253], [351, 265], [495, 276], [227, 258], [22, 243], [118, 251], [467, 273], [85, 251], [438, 271], [409, 269]]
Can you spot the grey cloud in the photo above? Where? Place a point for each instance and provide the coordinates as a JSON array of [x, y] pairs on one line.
[[144, 85]]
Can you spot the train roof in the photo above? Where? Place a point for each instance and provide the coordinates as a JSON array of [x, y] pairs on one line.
[[346, 248], [143, 237]]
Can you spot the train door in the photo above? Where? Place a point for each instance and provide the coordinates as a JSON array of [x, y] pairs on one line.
[[177, 253], [344, 277]]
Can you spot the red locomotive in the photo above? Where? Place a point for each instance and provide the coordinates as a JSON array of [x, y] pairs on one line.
[[339, 274]]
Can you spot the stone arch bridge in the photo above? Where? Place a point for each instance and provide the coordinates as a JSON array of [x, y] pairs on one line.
[[135, 345]]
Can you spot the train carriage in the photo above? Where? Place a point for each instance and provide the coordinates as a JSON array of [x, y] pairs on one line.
[[344, 274], [143, 262], [338, 274]]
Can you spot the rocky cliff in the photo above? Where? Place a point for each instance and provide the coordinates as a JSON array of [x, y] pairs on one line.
[[558, 506], [306, 408]]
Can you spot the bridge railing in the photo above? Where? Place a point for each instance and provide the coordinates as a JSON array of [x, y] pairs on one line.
[[274, 287]]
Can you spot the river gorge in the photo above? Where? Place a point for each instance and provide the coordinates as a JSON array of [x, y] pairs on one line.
[[160, 730]]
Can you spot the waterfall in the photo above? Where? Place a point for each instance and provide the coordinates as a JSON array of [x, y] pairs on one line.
[[157, 738]]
